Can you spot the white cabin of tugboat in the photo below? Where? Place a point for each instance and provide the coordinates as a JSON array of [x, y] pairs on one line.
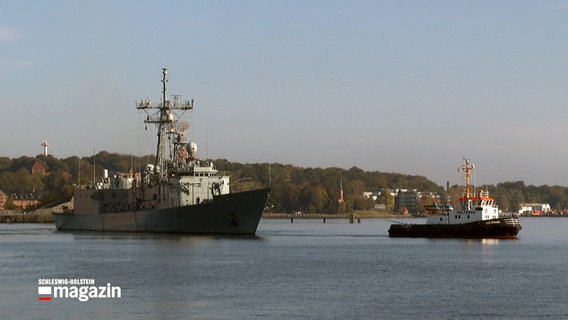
[[472, 209]]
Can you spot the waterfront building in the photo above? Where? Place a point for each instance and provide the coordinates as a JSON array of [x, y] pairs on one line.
[[534, 209]]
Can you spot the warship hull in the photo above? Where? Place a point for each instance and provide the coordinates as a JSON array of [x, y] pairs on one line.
[[502, 228], [232, 213]]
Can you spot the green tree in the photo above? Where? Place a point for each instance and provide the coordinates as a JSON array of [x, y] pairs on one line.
[[58, 189], [10, 204], [363, 203], [314, 198], [387, 199]]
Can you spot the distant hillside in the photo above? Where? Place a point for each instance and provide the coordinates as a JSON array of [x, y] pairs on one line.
[[314, 190]]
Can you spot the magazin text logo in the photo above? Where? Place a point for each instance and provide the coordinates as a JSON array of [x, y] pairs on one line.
[[80, 289]]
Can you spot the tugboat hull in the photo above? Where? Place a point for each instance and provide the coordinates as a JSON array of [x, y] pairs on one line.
[[502, 228], [233, 213]]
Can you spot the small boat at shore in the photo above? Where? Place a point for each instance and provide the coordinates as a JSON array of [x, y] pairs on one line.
[[477, 217]]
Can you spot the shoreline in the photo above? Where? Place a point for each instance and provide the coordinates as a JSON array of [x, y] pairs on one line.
[[353, 215], [44, 216], [37, 216], [41, 215]]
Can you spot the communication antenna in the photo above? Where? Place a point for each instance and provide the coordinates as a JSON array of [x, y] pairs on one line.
[[164, 116], [94, 168], [207, 140]]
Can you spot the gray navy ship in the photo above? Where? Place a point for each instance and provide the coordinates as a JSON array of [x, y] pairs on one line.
[[176, 194]]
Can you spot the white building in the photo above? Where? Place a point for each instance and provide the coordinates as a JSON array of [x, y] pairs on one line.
[[534, 209]]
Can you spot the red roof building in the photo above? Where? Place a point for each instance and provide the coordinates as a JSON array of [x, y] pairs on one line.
[[38, 168]]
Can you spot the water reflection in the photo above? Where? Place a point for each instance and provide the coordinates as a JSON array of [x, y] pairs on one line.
[[489, 242], [83, 235]]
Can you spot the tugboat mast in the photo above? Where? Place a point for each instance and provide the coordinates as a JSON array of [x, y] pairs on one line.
[[467, 170]]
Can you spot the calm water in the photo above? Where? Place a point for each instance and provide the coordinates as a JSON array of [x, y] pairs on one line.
[[304, 270]]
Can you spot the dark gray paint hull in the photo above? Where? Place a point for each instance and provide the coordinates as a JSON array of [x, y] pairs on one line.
[[234, 213]]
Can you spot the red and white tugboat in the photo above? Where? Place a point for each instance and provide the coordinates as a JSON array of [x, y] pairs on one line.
[[477, 217]]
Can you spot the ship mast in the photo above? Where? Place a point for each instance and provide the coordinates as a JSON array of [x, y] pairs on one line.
[[467, 170], [163, 118]]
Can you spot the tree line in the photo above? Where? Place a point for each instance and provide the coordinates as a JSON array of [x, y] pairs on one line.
[[56, 186], [294, 189]]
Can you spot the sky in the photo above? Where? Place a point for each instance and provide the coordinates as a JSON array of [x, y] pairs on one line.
[[392, 86]]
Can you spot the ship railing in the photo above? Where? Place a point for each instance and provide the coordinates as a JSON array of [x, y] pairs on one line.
[[512, 221]]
